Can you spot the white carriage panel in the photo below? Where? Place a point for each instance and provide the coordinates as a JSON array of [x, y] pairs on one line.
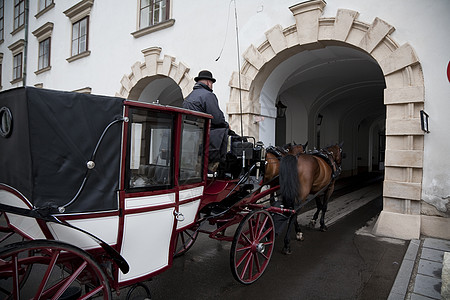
[[191, 193], [189, 211], [146, 242], [149, 201], [105, 228], [28, 226]]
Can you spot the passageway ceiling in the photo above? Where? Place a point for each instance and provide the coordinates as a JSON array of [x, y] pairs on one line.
[[336, 78]]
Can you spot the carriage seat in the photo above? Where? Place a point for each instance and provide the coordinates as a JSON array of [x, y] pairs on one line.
[[239, 146]]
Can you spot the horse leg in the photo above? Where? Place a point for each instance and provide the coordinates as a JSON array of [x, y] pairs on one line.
[[287, 238], [326, 197], [298, 230], [313, 221], [323, 227]]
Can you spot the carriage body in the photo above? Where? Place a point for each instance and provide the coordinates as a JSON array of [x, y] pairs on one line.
[[131, 174]]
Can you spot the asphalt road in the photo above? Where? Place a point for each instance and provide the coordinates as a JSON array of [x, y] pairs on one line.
[[337, 264]]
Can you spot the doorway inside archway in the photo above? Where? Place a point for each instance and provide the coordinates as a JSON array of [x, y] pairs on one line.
[[333, 94], [157, 89]]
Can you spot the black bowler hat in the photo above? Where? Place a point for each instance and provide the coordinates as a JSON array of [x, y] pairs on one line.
[[204, 75]]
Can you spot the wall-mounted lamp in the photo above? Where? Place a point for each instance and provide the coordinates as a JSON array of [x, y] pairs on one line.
[[424, 121], [319, 120], [281, 109]]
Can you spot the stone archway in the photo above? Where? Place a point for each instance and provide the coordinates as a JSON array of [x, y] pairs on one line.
[[403, 97], [153, 66]]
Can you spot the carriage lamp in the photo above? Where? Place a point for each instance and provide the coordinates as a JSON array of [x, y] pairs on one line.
[[281, 109], [6, 122]]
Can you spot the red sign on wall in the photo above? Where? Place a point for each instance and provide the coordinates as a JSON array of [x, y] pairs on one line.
[[448, 71]]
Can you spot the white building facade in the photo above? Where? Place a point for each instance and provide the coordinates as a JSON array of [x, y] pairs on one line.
[[362, 72]]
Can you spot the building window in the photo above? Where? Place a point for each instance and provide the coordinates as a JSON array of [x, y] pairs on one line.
[[154, 15], [79, 17], [43, 35], [1, 69], [19, 13], [153, 12], [44, 54], [17, 66], [43, 4], [17, 54], [80, 36], [2, 19]]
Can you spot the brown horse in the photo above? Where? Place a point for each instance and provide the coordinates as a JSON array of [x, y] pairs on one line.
[[309, 173], [273, 157]]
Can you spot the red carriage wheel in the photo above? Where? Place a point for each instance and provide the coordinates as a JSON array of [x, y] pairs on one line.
[[252, 246], [185, 240], [53, 270]]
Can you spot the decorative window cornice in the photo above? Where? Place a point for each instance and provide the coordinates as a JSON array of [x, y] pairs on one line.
[[17, 46], [44, 31], [79, 10]]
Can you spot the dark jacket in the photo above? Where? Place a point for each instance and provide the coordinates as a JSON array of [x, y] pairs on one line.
[[204, 100]]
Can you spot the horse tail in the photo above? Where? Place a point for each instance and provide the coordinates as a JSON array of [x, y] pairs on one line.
[[289, 185]]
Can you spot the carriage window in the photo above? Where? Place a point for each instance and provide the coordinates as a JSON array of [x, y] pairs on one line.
[[150, 150], [192, 148]]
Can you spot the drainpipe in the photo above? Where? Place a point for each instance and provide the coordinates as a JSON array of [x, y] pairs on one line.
[[25, 49]]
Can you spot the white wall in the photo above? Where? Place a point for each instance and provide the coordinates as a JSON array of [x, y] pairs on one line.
[[199, 34]]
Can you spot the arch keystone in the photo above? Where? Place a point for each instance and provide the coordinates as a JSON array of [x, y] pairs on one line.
[[307, 20]]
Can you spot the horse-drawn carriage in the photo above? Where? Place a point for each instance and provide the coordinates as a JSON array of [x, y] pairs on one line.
[[104, 193]]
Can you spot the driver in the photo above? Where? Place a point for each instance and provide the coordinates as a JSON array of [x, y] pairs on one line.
[[203, 99]]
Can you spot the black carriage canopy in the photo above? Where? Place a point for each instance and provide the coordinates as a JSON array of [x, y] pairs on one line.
[[47, 138]]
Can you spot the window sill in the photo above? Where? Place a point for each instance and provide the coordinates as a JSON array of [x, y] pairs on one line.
[[17, 29], [44, 10], [78, 56], [16, 80], [150, 29], [43, 70]]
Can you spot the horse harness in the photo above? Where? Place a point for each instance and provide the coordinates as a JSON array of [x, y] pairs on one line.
[[328, 157], [278, 151]]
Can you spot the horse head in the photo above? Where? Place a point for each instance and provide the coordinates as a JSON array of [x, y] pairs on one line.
[[336, 152], [294, 149]]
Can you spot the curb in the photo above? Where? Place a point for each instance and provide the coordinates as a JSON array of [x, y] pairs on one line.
[[401, 283]]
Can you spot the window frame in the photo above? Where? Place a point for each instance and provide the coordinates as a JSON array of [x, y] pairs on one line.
[[76, 13], [79, 37], [149, 28], [2, 20], [47, 3], [18, 6], [44, 55], [18, 67], [168, 118]]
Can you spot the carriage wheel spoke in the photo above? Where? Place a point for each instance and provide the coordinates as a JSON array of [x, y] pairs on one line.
[[16, 281], [70, 280], [47, 274]]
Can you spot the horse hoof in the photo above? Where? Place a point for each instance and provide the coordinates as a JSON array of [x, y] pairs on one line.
[[323, 228], [299, 236], [312, 224], [286, 251]]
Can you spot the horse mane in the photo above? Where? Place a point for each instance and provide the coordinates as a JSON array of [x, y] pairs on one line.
[[289, 180]]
